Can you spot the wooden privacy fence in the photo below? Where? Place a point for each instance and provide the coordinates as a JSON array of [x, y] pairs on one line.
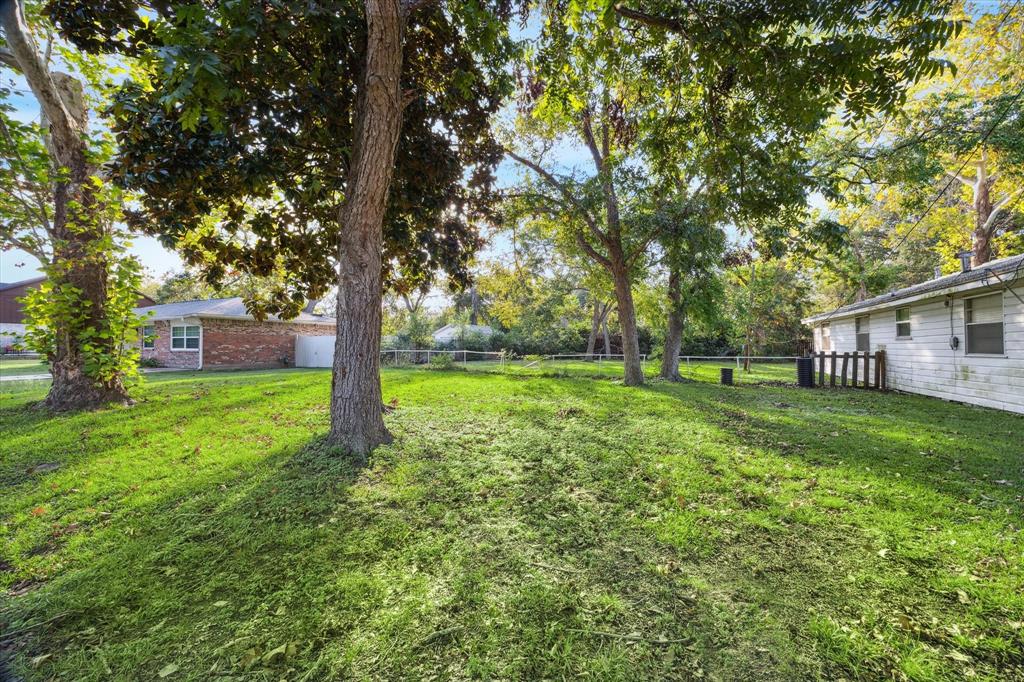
[[851, 369]]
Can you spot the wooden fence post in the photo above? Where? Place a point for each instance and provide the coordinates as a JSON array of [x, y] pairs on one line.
[[846, 362], [832, 375], [867, 369], [856, 359], [821, 368]]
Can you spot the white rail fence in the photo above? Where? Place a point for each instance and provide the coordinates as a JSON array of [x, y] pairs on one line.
[[318, 351]]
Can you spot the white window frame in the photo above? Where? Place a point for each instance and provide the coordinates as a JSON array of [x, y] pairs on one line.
[[910, 331], [152, 344], [1002, 325], [185, 338], [857, 332]]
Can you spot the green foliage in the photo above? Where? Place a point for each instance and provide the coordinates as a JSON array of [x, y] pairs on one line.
[[768, 306], [110, 349], [441, 361], [904, 185], [245, 113]]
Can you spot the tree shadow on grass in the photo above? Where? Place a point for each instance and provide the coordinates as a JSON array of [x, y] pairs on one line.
[[921, 523], [532, 535], [455, 553]]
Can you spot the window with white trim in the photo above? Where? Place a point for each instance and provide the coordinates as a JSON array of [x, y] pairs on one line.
[[903, 323], [185, 337], [149, 336], [863, 325], [826, 336], [983, 318]]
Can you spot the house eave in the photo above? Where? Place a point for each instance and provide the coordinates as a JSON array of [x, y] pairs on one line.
[[899, 302], [235, 318]]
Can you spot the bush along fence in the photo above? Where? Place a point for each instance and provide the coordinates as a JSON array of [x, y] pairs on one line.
[[850, 370]]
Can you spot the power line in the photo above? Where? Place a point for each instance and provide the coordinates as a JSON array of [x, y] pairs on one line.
[[967, 160], [984, 138]]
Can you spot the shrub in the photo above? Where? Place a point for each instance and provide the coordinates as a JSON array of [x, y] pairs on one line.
[[442, 361]]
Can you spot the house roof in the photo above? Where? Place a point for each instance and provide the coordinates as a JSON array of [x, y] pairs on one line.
[[221, 309], [465, 328], [1009, 269], [12, 285]]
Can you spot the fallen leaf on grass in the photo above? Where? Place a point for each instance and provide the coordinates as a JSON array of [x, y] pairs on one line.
[[167, 670]]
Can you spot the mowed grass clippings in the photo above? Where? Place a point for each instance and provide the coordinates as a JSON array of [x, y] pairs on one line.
[[518, 528]]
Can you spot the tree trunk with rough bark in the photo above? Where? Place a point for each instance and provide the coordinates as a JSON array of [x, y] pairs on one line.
[[674, 330], [747, 350], [77, 230], [474, 306], [595, 328], [357, 422], [633, 374]]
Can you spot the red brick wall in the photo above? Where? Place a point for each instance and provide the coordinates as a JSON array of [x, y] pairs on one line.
[[236, 344], [240, 343], [182, 359]]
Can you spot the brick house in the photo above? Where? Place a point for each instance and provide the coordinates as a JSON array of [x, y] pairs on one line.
[[220, 333]]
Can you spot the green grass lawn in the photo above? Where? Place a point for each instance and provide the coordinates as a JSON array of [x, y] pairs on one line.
[[10, 367], [520, 527]]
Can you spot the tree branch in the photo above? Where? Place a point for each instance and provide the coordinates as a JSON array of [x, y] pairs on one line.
[[653, 20], [1001, 206], [64, 129], [960, 178], [582, 242], [7, 57], [564, 191], [591, 141]]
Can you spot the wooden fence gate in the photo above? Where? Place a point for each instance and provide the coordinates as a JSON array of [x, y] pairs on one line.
[[856, 369]]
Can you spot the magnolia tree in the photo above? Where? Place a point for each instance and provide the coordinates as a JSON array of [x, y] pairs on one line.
[[342, 143], [57, 205]]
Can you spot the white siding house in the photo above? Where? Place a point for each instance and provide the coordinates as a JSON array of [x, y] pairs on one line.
[[452, 333], [959, 337]]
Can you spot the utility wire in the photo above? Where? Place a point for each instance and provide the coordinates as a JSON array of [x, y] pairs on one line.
[[984, 138]]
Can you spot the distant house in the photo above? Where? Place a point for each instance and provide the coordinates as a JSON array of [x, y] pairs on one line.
[[959, 337], [12, 314], [455, 333], [220, 333]]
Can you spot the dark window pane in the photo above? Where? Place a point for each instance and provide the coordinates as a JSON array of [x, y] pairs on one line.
[[863, 342], [985, 338], [903, 329], [192, 342]]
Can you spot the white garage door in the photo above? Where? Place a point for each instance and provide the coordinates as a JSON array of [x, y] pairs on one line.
[[314, 351]]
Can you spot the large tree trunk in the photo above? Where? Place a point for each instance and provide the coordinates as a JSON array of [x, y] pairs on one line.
[[474, 306], [748, 349], [79, 265], [598, 317], [674, 331], [633, 374], [357, 422]]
